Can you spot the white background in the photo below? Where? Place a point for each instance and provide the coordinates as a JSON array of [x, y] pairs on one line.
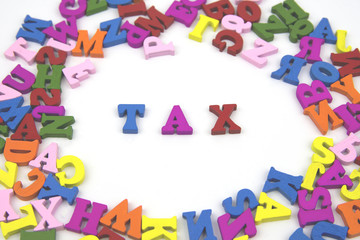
[[169, 175]]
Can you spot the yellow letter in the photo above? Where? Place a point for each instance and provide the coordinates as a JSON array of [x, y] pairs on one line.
[[28, 222], [89, 237], [340, 42], [7, 179], [68, 161], [200, 27], [351, 195], [322, 154], [270, 210], [311, 174], [154, 228]]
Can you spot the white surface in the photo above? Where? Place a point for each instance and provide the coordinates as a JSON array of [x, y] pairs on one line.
[[169, 175]]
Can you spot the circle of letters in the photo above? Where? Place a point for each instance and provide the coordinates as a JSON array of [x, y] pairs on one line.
[[51, 186]]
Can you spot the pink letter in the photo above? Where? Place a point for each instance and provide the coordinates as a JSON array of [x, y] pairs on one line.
[[153, 47], [19, 49], [257, 56], [61, 46], [7, 93], [46, 160], [5, 207], [235, 23], [78, 73], [47, 214], [345, 150]]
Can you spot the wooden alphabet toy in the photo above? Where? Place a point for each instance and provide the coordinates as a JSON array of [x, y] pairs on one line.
[[31, 113]]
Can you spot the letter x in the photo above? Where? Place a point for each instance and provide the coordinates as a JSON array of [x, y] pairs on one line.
[[224, 119], [48, 221]]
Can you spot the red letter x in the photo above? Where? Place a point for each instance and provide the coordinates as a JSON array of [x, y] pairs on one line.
[[224, 119]]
